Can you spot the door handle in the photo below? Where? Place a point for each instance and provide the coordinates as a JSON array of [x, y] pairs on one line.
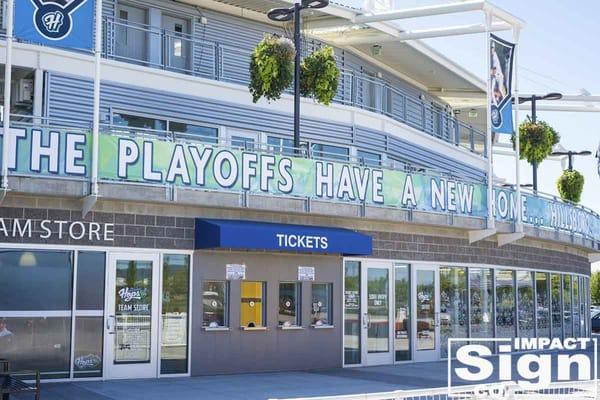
[[366, 320], [110, 324], [437, 321]]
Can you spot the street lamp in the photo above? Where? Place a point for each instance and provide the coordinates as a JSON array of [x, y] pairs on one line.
[[284, 15], [533, 99], [571, 154]]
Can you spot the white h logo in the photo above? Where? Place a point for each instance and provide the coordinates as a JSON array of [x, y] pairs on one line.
[[53, 21]]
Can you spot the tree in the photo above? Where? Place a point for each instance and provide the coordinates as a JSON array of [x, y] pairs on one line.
[[595, 287]]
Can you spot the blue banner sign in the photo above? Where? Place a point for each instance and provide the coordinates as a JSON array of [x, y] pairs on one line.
[[56, 23], [546, 213], [501, 69], [249, 235]]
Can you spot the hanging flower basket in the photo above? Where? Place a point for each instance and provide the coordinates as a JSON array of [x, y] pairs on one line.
[[537, 140], [319, 75], [271, 67], [570, 186]]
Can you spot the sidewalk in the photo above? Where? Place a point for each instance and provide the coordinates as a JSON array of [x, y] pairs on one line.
[[281, 385]]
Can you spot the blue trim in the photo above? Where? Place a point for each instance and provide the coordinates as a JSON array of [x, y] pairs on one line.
[[249, 235]]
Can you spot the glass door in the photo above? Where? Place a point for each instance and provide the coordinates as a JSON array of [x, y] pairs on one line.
[[131, 323], [426, 329], [377, 313]]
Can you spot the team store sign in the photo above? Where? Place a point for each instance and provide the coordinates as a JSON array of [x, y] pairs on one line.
[[196, 165]]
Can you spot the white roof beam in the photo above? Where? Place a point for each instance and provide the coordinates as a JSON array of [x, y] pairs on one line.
[[352, 40], [426, 11]]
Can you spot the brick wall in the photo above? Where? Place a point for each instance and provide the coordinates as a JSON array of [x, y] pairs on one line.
[[401, 246], [169, 232]]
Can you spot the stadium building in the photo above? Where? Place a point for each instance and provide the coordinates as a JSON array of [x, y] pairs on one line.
[[213, 246]]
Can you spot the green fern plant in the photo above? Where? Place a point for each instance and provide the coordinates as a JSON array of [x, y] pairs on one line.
[[271, 67], [319, 75], [570, 185], [537, 140]]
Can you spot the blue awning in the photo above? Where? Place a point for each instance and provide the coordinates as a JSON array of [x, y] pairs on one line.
[[249, 235]]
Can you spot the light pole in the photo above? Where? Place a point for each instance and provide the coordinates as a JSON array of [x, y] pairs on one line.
[[284, 15], [533, 99], [572, 154]]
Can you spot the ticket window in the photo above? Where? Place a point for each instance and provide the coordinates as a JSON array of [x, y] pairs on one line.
[[253, 306]]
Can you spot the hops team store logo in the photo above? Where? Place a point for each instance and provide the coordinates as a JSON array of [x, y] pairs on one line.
[[62, 23], [523, 368]]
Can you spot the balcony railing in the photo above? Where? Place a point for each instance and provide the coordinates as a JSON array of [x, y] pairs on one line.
[[184, 53], [469, 197]]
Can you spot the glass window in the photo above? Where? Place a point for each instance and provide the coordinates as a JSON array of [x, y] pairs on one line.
[[402, 316], [253, 306], [378, 309], [453, 306], [289, 304], [215, 304], [321, 304], [133, 314], [567, 302], [505, 304], [482, 304], [281, 145], [526, 308], [140, 122], [368, 158], [175, 311], [90, 280], [203, 133], [556, 306], [37, 343], [426, 298], [543, 304], [576, 307], [36, 280], [87, 362], [352, 325], [243, 142], [329, 152]]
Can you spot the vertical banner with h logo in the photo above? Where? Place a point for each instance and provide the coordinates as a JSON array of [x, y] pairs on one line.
[[61, 23], [501, 68]]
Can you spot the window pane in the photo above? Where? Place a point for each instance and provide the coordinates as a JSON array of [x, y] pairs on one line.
[[378, 308], [556, 306], [482, 304], [90, 280], [426, 298], [88, 347], [36, 280], [576, 307], [526, 307], [215, 304], [38, 343], [543, 304], [352, 326], [135, 121], [330, 152], [202, 133], [133, 315], [175, 304], [321, 304], [505, 304], [567, 314], [252, 308], [243, 142], [369, 159], [289, 302], [281, 145], [402, 316], [453, 306]]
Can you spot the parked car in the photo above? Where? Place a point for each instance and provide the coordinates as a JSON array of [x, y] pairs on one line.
[[595, 320]]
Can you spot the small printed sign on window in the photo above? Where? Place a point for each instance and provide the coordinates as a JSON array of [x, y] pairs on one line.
[[235, 272], [306, 273]]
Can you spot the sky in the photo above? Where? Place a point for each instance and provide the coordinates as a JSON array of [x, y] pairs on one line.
[[558, 52]]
